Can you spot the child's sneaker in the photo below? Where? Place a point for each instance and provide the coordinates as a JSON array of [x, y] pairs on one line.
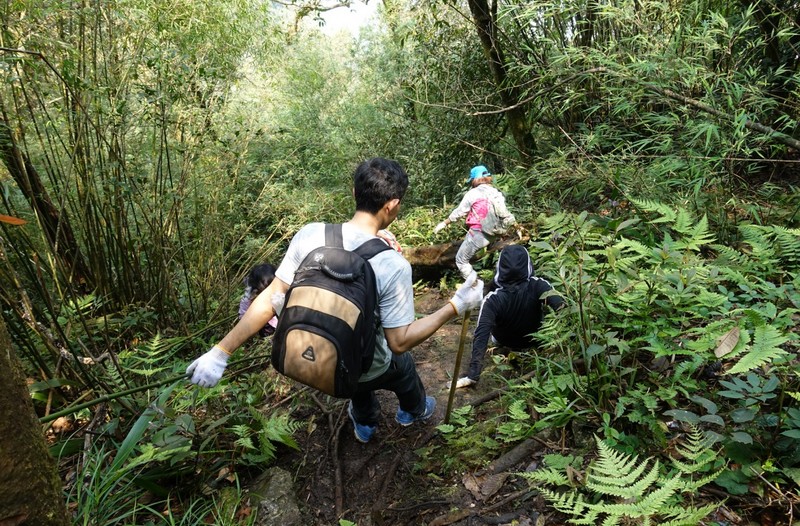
[[466, 381], [363, 433], [406, 419]]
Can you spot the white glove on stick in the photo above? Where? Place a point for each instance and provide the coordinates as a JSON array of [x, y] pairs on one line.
[[438, 228], [469, 295], [207, 370]]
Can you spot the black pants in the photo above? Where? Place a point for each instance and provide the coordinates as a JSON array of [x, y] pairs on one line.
[[402, 379]]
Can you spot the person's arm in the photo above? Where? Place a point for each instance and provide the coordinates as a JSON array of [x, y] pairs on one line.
[[462, 209], [503, 212], [549, 296], [458, 212], [207, 370], [258, 315], [402, 339], [467, 297]]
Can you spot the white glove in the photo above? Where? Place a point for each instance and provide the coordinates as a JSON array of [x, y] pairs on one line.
[[469, 295], [208, 368], [438, 228]]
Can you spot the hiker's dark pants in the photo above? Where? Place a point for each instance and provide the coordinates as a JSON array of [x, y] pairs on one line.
[[402, 379]]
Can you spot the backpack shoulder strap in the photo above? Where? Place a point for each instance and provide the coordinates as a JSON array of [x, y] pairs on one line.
[[333, 235], [371, 248], [367, 250]]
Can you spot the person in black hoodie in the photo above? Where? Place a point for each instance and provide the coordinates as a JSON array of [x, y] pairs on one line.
[[512, 312]]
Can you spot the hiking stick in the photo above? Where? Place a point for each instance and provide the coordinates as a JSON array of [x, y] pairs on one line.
[[464, 325]]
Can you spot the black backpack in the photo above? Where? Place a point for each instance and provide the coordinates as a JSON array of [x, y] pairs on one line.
[[325, 336]]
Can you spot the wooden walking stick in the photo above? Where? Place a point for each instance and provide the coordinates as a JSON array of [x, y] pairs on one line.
[[464, 325]]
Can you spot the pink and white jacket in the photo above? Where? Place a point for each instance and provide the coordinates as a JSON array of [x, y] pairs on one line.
[[476, 204]]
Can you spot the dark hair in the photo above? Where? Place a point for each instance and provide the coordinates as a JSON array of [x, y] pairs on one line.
[[259, 277], [377, 181]]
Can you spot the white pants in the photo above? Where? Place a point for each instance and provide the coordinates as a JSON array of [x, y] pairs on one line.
[[473, 242]]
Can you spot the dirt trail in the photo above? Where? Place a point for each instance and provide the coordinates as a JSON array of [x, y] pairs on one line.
[[377, 483]]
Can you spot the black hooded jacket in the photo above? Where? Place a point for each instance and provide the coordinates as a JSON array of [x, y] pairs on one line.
[[512, 312]]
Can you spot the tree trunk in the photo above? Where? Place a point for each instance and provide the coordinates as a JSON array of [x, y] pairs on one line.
[[31, 491], [429, 262], [486, 24]]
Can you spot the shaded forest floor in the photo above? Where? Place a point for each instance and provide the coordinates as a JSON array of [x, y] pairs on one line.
[[395, 479]]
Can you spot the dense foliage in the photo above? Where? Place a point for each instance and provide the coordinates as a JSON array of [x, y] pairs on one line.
[[156, 150]]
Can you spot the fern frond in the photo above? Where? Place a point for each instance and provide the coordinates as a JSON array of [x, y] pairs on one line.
[[550, 476], [788, 242], [518, 410], [691, 486], [765, 348], [614, 465], [730, 256], [686, 517], [570, 503], [611, 520], [114, 377], [638, 248], [650, 504], [696, 237], [666, 212], [627, 486], [683, 222], [762, 248], [699, 458], [244, 443]]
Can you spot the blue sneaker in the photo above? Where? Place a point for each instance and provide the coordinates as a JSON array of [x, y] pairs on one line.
[[405, 418], [362, 433]]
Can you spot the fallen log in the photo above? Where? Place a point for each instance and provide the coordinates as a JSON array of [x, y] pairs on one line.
[[431, 261]]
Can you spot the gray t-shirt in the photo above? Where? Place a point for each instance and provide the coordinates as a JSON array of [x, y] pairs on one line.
[[392, 276]]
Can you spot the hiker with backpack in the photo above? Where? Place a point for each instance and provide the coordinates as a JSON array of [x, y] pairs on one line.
[[486, 216], [318, 250], [512, 312]]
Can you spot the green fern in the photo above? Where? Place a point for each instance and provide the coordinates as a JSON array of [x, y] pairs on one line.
[[666, 213], [765, 348], [615, 473], [730, 256], [627, 491], [788, 242], [761, 247], [550, 476], [698, 458], [774, 243], [258, 438], [695, 236], [684, 221]]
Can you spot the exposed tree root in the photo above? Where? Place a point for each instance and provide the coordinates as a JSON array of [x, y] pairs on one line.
[[457, 515], [335, 427], [377, 507]]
